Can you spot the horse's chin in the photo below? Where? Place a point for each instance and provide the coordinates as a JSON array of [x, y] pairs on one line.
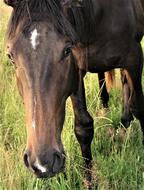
[[48, 174]]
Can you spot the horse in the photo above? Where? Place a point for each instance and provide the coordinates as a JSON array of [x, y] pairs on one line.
[[52, 45]]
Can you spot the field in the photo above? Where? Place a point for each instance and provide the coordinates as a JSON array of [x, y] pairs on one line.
[[118, 159]]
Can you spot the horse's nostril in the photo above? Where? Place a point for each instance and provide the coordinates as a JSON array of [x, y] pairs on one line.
[[36, 170], [58, 162], [26, 160]]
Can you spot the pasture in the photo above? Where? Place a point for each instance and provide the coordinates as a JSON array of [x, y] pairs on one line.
[[118, 156]]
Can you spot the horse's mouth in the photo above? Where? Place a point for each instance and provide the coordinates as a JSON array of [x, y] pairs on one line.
[[48, 174]]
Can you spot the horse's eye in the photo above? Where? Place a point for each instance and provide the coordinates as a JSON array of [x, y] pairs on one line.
[[67, 51]]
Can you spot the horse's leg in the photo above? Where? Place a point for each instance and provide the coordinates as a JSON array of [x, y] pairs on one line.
[[103, 90], [133, 72], [83, 125], [127, 115]]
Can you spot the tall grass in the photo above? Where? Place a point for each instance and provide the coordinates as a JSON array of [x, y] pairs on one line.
[[118, 162]]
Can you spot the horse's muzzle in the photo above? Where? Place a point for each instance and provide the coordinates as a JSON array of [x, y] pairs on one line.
[[52, 166]]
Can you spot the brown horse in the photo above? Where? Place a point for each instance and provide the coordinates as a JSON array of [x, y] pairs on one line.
[[52, 45]]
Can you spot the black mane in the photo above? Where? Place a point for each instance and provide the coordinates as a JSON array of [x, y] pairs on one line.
[[85, 21], [27, 11], [84, 18], [78, 23]]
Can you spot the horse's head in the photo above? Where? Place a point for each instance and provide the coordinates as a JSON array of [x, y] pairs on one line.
[[40, 47]]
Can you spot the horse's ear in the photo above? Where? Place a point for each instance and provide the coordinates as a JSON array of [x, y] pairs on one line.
[[11, 3], [72, 3]]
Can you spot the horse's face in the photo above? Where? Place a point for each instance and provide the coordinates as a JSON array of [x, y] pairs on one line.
[[46, 75]]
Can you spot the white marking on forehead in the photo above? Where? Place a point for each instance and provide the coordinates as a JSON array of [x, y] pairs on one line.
[[34, 38], [39, 166], [34, 115]]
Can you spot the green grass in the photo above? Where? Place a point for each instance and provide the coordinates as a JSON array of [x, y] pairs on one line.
[[118, 164]]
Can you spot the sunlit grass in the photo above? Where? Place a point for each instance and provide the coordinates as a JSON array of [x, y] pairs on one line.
[[118, 162]]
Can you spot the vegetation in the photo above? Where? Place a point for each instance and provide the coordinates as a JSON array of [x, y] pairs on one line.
[[118, 156]]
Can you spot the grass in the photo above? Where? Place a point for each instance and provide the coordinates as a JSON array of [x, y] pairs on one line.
[[118, 164]]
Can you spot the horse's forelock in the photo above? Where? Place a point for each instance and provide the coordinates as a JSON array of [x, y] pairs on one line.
[[27, 11]]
